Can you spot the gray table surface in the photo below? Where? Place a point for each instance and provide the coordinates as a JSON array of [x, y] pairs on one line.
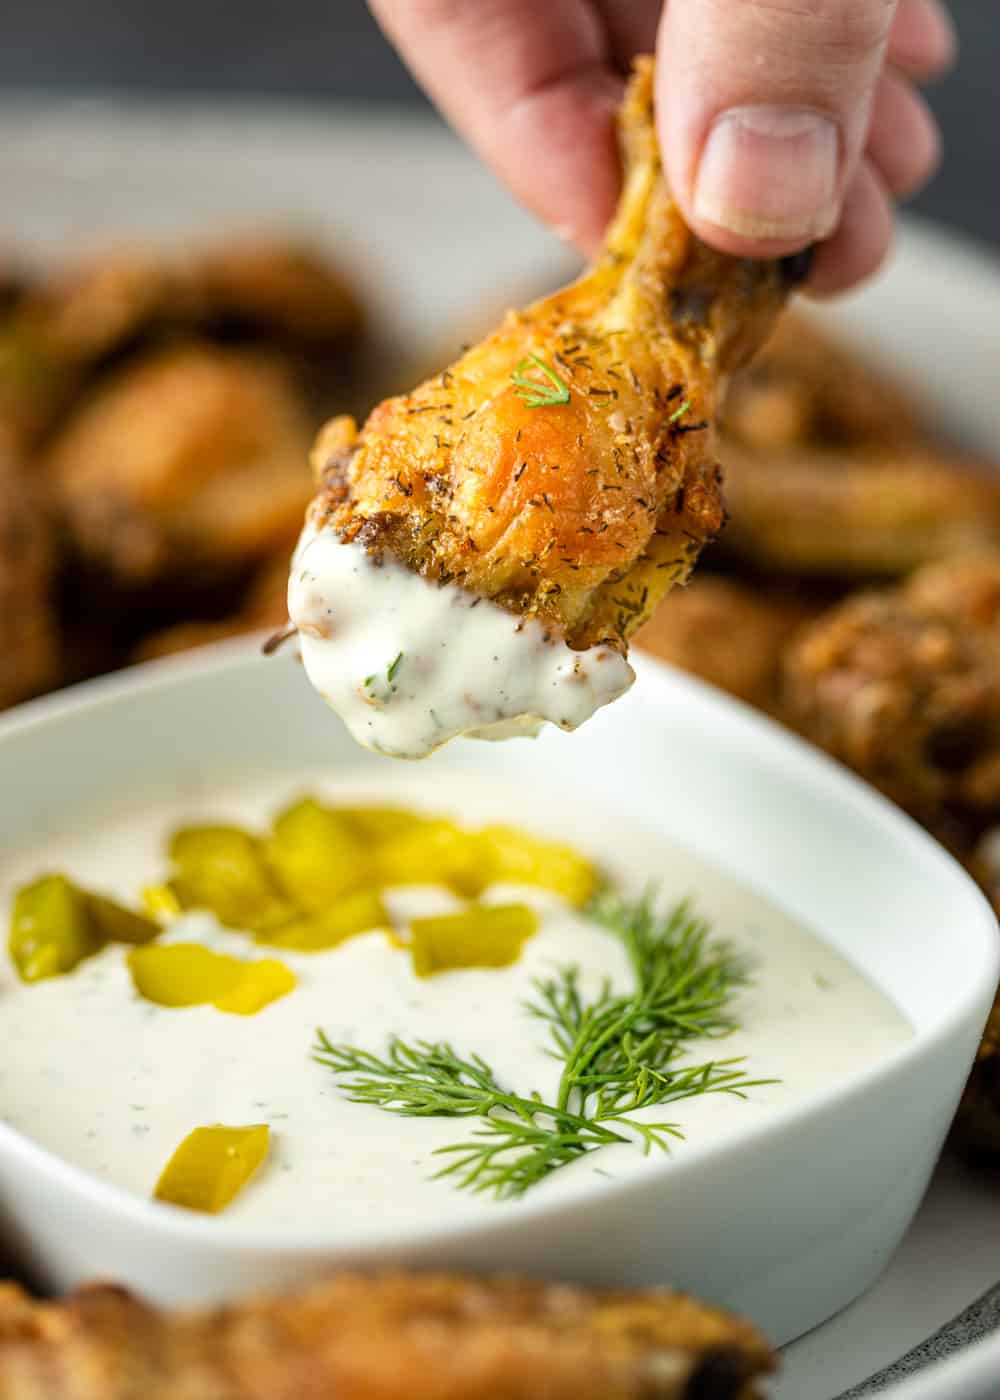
[[332, 48]]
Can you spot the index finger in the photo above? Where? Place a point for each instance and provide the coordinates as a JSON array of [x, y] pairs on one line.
[[532, 88]]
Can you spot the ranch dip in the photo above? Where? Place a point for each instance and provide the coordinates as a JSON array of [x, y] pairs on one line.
[[409, 664], [113, 1083]]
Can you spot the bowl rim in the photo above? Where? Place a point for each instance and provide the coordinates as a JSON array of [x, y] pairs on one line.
[[791, 758]]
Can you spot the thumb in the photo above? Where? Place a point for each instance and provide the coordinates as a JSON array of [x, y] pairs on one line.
[[763, 108]]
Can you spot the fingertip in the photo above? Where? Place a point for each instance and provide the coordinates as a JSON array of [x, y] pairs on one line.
[[862, 239], [923, 41], [904, 142]]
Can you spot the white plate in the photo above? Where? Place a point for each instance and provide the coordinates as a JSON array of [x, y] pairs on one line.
[[376, 185]]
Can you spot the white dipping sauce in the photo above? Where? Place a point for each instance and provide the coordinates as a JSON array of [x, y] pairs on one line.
[[409, 664], [113, 1083]]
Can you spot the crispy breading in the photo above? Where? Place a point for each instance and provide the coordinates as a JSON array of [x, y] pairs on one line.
[[394, 1337], [903, 685], [585, 509], [193, 455], [856, 514], [727, 632], [29, 660], [805, 388]]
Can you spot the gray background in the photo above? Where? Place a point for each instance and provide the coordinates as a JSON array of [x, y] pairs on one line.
[[332, 49]]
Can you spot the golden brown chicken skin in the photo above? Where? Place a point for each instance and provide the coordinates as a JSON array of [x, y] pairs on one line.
[[190, 457], [856, 515], [565, 467], [396, 1337], [903, 686]]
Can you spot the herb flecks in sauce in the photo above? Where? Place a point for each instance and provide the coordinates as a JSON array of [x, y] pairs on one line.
[[622, 1052]]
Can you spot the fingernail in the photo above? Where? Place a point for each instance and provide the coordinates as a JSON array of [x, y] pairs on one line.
[[769, 172]]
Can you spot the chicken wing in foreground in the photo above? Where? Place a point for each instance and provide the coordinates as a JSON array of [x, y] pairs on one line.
[[479, 554], [398, 1337]]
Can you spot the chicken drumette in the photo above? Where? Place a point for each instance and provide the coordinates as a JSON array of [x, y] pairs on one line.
[[563, 470], [398, 1337]]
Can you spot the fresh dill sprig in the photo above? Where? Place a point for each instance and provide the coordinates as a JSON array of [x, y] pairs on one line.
[[679, 413], [390, 676], [539, 393], [620, 1053]]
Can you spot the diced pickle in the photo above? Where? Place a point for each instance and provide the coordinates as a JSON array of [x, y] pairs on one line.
[[372, 823], [356, 913], [435, 853], [481, 936], [51, 930], [315, 855], [212, 1165], [186, 974], [182, 974], [116, 924], [221, 868], [521, 859], [260, 983], [161, 903]]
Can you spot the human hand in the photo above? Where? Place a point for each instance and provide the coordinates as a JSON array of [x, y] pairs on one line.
[[783, 123]]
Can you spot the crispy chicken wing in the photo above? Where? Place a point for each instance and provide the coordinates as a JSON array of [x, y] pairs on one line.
[[398, 1337], [807, 389], [727, 632], [28, 630], [563, 471], [833, 513], [903, 686], [191, 457]]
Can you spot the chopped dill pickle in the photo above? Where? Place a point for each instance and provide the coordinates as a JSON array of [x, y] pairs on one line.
[[481, 936], [260, 983], [356, 913], [51, 930], [212, 1165], [372, 823], [315, 855], [526, 860], [221, 868], [186, 974], [435, 853], [161, 903], [116, 924], [183, 974]]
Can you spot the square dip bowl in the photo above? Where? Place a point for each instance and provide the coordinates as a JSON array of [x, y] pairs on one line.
[[786, 1220]]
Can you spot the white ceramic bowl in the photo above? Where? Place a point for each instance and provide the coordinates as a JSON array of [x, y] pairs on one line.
[[786, 1226]]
